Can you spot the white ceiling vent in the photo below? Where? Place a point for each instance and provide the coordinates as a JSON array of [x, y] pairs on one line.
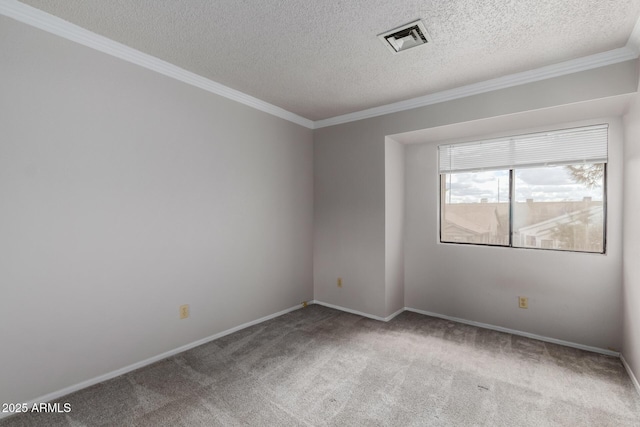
[[405, 37]]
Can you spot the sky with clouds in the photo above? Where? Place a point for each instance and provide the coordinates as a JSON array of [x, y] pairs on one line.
[[548, 184]]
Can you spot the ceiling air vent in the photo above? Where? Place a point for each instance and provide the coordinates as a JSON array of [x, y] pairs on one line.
[[405, 37]]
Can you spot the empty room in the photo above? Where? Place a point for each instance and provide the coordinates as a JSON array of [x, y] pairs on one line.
[[314, 213]]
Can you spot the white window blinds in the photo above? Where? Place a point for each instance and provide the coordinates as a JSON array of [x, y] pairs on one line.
[[559, 147]]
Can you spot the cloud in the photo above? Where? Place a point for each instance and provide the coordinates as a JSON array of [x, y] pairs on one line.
[[461, 185], [543, 176], [489, 176], [472, 187], [540, 184]]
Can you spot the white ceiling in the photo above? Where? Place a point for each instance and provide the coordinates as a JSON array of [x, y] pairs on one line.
[[321, 58]]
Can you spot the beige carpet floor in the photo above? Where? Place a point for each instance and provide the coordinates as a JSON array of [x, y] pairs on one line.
[[317, 366]]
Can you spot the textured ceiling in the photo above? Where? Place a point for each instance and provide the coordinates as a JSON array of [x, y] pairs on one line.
[[321, 58]]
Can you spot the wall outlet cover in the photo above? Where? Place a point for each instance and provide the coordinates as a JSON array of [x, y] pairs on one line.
[[184, 311]]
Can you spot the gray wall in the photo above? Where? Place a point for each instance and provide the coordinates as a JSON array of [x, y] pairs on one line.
[[349, 222], [125, 194], [572, 296], [349, 218], [394, 226], [631, 244]]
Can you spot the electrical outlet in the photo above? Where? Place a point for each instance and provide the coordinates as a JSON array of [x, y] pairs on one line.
[[523, 302], [304, 303], [184, 311], [339, 282]]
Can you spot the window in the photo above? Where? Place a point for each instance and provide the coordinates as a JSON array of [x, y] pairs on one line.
[[543, 190]]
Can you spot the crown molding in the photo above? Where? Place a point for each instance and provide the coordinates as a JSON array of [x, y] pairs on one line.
[[634, 39], [54, 25], [556, 70]]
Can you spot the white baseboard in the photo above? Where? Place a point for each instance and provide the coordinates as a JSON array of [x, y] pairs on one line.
[[359, 313], [516, 332], [391, 316], [634, 380], [478, 324], [348, 310], [68, 390], [88, 383]]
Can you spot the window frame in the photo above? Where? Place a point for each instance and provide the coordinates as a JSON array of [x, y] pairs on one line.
[[511, 170]]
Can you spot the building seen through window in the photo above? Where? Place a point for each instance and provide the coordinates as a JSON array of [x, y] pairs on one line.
[[556, 207]]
